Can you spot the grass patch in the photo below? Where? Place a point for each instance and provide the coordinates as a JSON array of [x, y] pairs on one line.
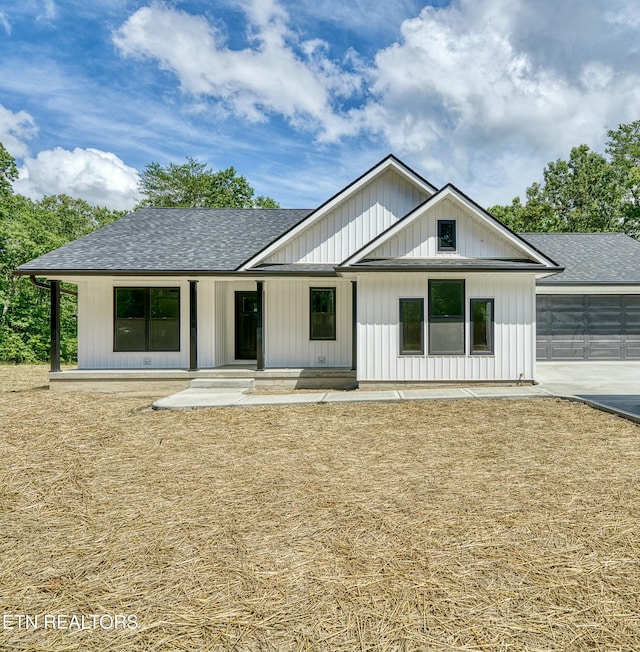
[[462, 525]]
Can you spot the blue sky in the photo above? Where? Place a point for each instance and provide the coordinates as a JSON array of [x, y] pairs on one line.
[[303, 96]]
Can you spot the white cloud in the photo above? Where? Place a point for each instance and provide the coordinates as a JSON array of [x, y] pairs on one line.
[[275, 74], [50, 9], [98, 177], [464, 91], [4, 21], [15, 129], [623, 12]]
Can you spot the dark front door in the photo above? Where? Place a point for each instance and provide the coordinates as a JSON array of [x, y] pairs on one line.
[[246, 325]]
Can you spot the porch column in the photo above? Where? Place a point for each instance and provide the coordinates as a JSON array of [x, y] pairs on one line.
[[55, 326], [354, 325], [260, 327], [193, 325]]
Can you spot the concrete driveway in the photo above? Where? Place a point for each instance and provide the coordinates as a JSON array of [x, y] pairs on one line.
[[608, 384]]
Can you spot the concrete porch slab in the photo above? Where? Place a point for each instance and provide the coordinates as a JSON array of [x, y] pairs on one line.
[[198, 398]]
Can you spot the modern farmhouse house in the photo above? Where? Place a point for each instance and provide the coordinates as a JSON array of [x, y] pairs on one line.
[[389, 281]]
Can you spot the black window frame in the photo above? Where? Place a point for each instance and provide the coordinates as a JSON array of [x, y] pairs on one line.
[[148, 320], [451, 319], [492, 326], [442, 247], [312, 336], [402, 301]]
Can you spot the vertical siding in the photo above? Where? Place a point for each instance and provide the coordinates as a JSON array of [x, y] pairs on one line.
[[95, 327], [379, 336], [206, 323], [419, 239], [225, 318], [220, 311], [353, 223], [287, 342]]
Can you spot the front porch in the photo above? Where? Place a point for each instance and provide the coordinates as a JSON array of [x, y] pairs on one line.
[[235, 376]]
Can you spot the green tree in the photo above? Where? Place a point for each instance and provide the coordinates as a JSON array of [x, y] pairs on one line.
[[194, 185], [623, 148], [8, 172], [29, 229], [582, 194]]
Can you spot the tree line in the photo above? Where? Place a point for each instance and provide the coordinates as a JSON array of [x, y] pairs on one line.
[[31, 228], [589, 192]]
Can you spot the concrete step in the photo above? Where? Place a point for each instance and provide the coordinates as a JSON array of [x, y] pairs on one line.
[[222, 383]]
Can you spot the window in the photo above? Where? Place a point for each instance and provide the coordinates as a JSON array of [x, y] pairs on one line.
[[411, 326], [146, 319], [482, 326], [446, 235], [446, 317], [322, 322]]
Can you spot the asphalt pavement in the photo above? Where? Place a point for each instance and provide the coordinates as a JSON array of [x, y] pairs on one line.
[[607, 385]]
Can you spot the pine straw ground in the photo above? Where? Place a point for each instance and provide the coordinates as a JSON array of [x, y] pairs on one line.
[[463, 525]]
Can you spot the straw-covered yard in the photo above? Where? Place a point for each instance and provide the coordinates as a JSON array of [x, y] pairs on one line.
[[464, 525]]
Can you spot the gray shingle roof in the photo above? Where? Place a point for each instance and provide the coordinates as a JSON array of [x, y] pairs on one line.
[[220, 240], [173, 240], [590, 258]]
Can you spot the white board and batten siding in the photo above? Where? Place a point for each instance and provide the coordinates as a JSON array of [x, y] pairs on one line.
[[286, 327], [420, 238], [220, 327], [96, 326], [378, 342], [353, 223]]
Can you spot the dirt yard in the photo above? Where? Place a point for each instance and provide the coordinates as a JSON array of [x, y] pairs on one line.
[[463, 525]]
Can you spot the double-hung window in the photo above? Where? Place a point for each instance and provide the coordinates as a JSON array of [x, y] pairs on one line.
[[146, 319], [411, 326], [446, 317], [322, 314], [482, 326]]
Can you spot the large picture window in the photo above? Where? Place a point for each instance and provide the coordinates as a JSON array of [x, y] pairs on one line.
[[411, 326], [146, 319], [322, 318], [482, 326], [446, 317]]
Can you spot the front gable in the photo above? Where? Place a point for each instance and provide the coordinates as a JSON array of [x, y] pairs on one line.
[[477, 235], [474, 239], [351, 219]]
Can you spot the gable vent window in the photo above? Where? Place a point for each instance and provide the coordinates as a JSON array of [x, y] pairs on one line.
[[446, 235], [146, 319]]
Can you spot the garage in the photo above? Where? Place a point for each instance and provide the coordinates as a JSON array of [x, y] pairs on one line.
[[591, 310], [588, 327]]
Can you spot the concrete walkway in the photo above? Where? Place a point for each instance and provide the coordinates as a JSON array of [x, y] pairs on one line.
[[194, 398], [612, 386]]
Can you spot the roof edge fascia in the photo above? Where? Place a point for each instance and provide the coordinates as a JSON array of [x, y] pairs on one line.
[[186, 273], [389, 162]]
